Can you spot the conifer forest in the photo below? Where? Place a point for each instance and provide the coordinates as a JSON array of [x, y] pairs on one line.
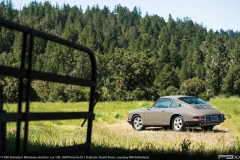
[[139, 56]]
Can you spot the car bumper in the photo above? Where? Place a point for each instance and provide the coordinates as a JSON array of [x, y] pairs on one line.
[[129, 121], [195, 123], [209, 120], [201, 123]]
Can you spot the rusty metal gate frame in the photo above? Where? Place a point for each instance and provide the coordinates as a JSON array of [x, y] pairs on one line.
[[29, 75]]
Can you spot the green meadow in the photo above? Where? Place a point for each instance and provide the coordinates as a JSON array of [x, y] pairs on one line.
[[112, 135]]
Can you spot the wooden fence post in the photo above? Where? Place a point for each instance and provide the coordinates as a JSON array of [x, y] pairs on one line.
[[2, 126]]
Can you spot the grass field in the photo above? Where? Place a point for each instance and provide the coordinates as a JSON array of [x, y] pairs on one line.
[[112, 135]]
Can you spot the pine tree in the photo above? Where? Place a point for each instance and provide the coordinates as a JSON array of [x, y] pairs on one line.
[[216, 70]]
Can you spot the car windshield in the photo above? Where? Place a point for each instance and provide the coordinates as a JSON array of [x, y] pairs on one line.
[[192, 100]]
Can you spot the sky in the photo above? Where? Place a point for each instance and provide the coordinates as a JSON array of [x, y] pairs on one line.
[[212, 14]]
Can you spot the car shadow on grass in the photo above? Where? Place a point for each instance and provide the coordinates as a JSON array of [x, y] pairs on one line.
[[197, 130], [189, 129]]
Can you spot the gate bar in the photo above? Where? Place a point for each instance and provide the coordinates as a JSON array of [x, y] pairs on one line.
[[28, 73]]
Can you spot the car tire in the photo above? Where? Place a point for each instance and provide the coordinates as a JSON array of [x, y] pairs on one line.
[[137, 123], [207, 128], [178, 124]]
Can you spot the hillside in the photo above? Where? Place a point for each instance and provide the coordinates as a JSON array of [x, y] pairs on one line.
[[139, 57]]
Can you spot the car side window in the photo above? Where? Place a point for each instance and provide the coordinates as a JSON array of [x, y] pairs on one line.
[[156, 104], [162, 103], [175, 104]]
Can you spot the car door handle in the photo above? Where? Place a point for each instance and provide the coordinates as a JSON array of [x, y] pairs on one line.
[[163, 110]]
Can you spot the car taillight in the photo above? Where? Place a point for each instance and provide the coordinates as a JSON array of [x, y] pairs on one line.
[[199, 117]]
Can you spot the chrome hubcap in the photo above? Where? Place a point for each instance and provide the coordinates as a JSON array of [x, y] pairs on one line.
[[178, 123], [138, 123]]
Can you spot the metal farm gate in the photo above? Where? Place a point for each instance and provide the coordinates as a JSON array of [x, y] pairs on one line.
[[27, 74]]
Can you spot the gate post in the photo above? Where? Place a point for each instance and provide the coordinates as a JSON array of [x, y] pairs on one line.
[[2, 126]]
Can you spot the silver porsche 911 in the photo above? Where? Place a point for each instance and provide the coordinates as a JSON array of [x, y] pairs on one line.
[[176, 112]]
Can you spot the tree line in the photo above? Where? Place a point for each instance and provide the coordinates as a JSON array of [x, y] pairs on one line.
[[138, 57]]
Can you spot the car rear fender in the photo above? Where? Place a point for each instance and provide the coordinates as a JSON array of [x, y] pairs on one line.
[[174, 115]]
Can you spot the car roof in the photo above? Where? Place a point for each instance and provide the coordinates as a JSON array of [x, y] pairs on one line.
[[175, 96]]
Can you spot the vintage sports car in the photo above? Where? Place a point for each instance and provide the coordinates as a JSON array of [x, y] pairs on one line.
[[176, 112]]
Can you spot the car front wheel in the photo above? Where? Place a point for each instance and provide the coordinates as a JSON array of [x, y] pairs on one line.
[[137, 123], [178, 124]]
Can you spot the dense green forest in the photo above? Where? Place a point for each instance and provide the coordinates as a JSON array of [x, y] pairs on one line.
[[139, 57]]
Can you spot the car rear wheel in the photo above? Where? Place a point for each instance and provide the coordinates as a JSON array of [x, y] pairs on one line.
[[178, 124], [207, 128], [137, 123]]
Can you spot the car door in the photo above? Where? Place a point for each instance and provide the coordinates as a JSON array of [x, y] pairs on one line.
[[175, 107], [155, 114]]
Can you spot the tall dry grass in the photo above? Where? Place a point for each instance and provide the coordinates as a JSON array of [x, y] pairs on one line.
[[112, 135]]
